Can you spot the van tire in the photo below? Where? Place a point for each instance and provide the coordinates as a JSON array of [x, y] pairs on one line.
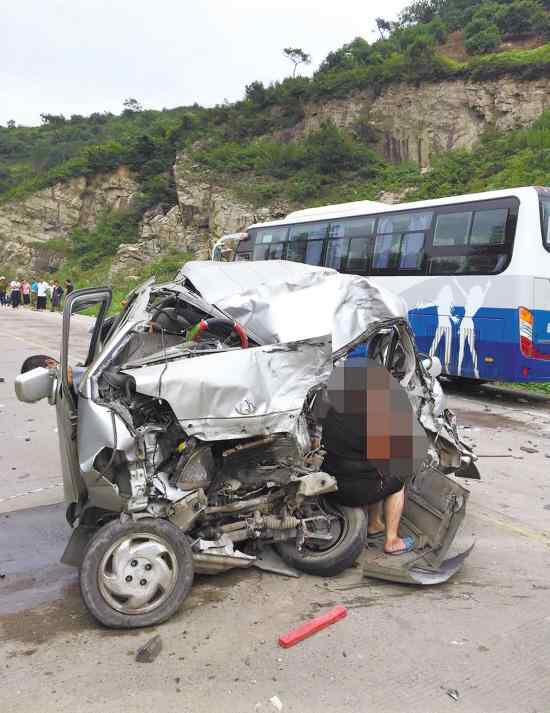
[[340, 556], [150, 548]]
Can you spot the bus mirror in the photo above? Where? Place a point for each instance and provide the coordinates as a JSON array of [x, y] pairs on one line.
[[432, 365]]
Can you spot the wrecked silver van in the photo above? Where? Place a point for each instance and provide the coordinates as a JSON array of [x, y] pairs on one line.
[[190, 443]]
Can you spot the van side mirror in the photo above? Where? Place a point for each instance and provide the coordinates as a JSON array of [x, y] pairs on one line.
[[34, 385]]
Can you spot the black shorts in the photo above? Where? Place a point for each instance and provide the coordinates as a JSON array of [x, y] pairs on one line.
[[359, 483]]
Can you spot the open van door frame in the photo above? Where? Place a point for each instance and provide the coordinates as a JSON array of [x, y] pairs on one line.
[[66, 400]]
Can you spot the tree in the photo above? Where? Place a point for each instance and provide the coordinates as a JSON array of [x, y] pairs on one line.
[[131, 105], [420, 11], [257, 94], [296, 56], [382, 26], [53, 119], [521, 17]]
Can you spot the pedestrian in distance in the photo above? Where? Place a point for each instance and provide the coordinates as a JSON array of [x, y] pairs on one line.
[[69, 287], [26, 292], [15, 290], [34, 290], [57, 295], [42, 295], [3, 290]]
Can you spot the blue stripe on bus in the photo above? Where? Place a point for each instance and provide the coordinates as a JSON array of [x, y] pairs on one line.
[[496, 343]]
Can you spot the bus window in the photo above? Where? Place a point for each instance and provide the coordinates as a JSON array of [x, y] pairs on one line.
[[272, 251], [271, 235], [337, 251], [358, 256], [269, 243], [490, 264], [386, 252], [305, 243], [308, 231], [347, 248], [305, 251], [448, 265], [352, 228], [412, 251], [452, 229], [489, 227], [405, 222]]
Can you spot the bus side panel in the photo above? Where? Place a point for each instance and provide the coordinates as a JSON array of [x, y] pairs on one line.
[[541, 314], [442, 312], [492, 352], [476, 349]]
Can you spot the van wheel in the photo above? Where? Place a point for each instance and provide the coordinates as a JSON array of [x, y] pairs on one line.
[[136, 573], [328, 558]]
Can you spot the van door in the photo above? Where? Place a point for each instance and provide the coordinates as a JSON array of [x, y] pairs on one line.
[[66, 401], [434, 509]]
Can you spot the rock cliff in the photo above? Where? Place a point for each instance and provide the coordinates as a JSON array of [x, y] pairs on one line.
[[408, 122], [28, 225], [205, 211], [414, 123]]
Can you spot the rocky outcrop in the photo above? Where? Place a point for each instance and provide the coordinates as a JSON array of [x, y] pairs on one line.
[[408, 122], [205, 211], [27, 226], [414, 123]]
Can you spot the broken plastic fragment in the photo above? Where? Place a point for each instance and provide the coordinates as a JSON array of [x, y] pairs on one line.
[[149, 651]]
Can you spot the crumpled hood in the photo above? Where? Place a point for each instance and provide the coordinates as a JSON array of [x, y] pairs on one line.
[[283, 301], [300, 308]]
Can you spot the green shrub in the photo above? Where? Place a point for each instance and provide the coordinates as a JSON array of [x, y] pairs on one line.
[[90, 246], [481, 37], [521, 17]]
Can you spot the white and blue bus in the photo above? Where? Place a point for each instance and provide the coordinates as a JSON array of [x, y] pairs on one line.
[[474, 271]]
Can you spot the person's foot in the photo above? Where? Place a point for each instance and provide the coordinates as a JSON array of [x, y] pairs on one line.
[[399, 545], [375, 536], [375, 528]]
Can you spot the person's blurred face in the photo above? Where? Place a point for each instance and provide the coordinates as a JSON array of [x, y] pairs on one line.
[[393, 440]]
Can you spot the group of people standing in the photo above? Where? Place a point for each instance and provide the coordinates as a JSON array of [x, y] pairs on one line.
[[35, 293]]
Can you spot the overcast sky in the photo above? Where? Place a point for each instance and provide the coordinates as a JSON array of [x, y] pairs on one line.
[[80, 56]]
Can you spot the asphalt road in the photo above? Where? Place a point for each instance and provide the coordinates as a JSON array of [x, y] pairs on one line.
[[485, 634]]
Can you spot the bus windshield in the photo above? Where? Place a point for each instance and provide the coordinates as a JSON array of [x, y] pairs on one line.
[[544, 198]]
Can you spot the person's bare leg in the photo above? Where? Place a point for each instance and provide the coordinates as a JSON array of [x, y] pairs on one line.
[[374, 518], [393, 509]]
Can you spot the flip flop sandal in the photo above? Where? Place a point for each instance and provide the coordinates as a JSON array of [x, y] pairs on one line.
[[409, 546], [375, 535]]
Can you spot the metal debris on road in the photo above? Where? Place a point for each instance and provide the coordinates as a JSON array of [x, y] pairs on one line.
[[453, 693], [528, 449], [149, 651]]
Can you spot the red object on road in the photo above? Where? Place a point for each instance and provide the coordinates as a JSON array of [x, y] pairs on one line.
[[294, 636]]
